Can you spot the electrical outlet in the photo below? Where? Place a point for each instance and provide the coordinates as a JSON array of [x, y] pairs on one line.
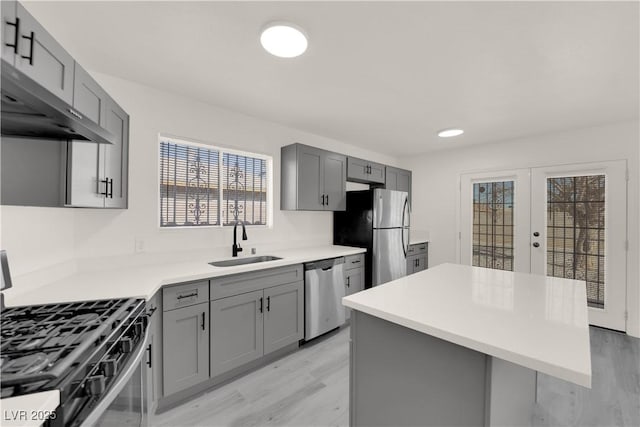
[[139, 245]]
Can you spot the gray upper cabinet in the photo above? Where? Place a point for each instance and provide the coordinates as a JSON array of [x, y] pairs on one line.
[[236, 331], [364, 171], [335, 182], [86, 185], [92, 175], [185, 347], [42, 58], [283, 316], [117, 157], [97, 174], [312, 179], [309, 171], [398, 179]]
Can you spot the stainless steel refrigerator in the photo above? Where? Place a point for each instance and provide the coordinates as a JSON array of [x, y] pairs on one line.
[[377, 220]]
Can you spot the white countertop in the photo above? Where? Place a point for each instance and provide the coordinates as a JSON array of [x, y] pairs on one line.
[[416, 240], [132, 281], [534, 321], [29, 410], [143, 281]]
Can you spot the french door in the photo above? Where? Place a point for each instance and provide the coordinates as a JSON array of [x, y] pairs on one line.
[[563, 221]]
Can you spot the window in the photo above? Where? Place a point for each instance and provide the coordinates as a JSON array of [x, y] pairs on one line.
[[202, 185], [576, 232], [493, 225]]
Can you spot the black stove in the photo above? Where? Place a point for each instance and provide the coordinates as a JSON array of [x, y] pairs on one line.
[[77, 348]]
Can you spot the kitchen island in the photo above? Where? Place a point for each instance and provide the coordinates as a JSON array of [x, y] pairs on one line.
[[462, 345]]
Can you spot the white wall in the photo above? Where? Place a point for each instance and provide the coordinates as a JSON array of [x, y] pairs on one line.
[[435, 184], [41, 237]]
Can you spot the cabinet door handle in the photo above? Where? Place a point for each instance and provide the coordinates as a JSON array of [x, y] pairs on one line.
[[261, 304], [203, 321], [192, 294], [106, 187], [149, 354], [16, 27], [110, 189], [348, 281], [355, 262], [327, 200], [268, 303], [322, 200], [30, 57]]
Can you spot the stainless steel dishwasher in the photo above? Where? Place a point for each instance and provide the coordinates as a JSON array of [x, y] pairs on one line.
[[323, 292]]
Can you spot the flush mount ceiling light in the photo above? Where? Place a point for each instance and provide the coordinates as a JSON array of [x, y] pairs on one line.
[[448, 133], [283, 40]]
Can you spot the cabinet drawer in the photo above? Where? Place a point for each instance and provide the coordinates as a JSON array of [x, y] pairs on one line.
[[418, 248], [247, 282], [184, 295], [354, 261]]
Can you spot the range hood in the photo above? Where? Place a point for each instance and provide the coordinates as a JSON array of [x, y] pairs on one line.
[[29, 110]]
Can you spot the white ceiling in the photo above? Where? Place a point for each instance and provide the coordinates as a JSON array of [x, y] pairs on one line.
[[382, 75]]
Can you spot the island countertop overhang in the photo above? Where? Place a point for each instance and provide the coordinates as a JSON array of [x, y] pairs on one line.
[[534, 321]]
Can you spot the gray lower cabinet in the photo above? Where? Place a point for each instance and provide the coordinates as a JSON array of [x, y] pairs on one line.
[[398, 179], [185, 347], [153, 360], [354, 282], [283, 316], [416, 263], [417, 258], [247, 326], [353, 277], [41, 57], [312, 179], [364, 171], [236, 331]]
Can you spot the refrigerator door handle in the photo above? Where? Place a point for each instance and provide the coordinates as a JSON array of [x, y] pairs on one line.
[[404, 210]]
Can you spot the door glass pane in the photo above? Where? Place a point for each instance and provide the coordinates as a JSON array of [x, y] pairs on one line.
[[493, 225], [575, 232]]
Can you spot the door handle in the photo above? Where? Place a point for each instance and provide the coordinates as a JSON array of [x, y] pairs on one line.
[[261, 304], [348, 281], [327, 200], [203, 321], [16, 26], [323, 200], [536, 244], [268, 303], [30, 57]]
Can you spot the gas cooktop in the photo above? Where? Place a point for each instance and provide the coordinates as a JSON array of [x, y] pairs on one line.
[[42, 345]]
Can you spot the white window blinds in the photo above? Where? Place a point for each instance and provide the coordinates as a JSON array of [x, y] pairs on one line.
[[207, 186]]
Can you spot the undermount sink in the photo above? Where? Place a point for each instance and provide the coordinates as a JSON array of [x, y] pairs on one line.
[[242, 261]]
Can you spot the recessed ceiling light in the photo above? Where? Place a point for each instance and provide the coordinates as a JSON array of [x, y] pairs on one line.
[[447, 133], [283, 40]]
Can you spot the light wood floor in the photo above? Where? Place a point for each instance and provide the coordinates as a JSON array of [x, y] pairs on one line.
[[310, 388]]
